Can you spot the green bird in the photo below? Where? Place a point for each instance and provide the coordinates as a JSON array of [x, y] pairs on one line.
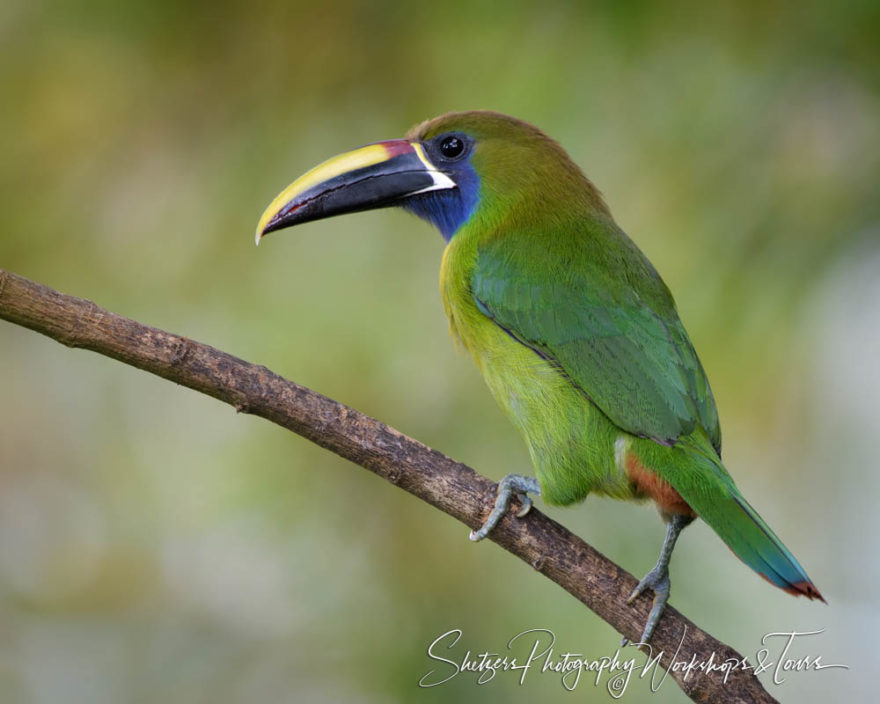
[[573, 329]]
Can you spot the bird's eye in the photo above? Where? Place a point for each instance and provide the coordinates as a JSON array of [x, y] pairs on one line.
[[452, 147]]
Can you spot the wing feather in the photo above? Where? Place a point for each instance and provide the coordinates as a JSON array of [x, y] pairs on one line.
[[606, 319]]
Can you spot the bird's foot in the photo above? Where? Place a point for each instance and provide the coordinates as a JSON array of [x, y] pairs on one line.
[[657, 580], [511, 484]]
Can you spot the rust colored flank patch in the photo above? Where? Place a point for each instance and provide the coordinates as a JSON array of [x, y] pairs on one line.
[[648, 483]]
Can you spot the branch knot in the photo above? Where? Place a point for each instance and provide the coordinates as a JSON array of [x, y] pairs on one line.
[[181, 350]]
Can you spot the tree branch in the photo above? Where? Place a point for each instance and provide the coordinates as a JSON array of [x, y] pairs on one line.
[[442, 482]]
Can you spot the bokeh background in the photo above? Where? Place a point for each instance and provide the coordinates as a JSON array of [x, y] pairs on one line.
[[157, 547]]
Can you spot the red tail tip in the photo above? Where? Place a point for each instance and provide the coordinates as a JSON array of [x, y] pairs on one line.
[[807, 589]]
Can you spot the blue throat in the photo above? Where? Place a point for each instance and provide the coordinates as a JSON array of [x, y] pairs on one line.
[[449, 209]]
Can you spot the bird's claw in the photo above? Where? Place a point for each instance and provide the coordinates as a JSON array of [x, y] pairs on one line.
[[526, 504], [657, 580], [507, 487]]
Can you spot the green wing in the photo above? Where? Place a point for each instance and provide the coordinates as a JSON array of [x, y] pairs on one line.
[[591, 303]]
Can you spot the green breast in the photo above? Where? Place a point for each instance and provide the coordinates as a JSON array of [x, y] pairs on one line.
[[571, 442]]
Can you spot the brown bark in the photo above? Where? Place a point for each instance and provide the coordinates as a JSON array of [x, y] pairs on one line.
[[450, 486]]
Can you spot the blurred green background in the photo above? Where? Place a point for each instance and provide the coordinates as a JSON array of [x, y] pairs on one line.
[[155, 546]]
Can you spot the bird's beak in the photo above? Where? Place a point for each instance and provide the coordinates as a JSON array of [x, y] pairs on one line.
[[373, 176]]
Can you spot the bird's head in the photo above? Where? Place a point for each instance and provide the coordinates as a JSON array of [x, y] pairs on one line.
[[449, 171]]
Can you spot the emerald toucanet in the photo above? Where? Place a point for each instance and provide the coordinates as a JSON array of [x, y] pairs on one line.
[[573, 329]]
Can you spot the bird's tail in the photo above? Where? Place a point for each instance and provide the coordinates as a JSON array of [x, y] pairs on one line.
[[719, 503], [752, 541]]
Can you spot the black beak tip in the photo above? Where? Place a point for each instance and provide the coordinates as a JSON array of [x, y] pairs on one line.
[[274, 224]]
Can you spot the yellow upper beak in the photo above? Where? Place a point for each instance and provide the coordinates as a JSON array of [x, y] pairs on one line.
[[369, 177]]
